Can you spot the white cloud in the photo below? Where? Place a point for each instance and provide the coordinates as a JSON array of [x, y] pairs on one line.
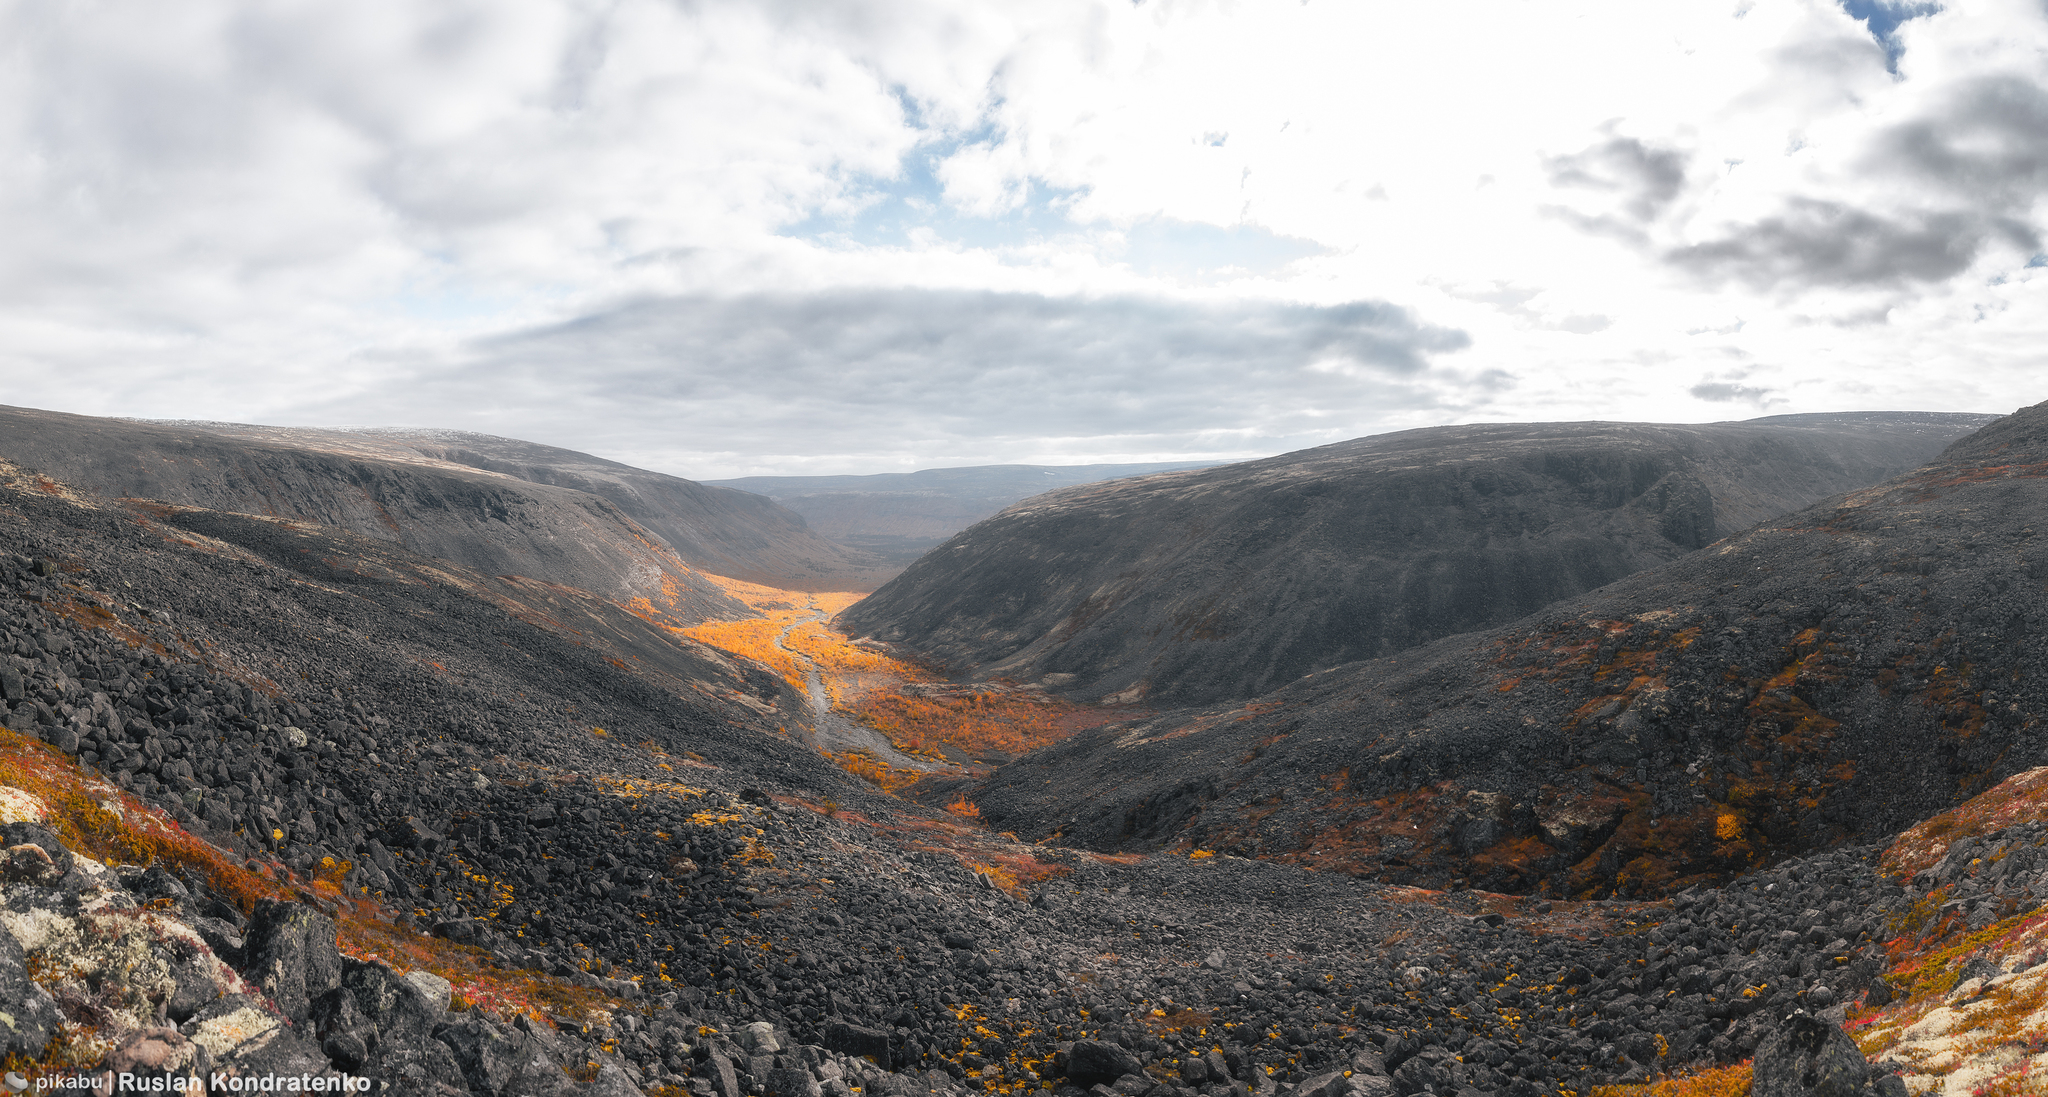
[[231, 210]]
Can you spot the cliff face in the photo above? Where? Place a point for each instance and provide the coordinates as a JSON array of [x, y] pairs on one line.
[[1825, 677], [1200, 586]]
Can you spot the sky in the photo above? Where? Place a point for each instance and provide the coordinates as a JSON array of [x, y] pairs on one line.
[[763, 237]]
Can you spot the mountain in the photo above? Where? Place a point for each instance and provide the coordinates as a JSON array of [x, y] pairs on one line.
[[716, 529], [492, 521], [901, 515], [282, 801], [1825, 677], [1227, 582]]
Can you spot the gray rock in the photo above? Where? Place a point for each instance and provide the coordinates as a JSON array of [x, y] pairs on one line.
[[725, 1081], [1092, 1061], [858, 1041], [792, 1082], [1807, 1057], [434, 990], [28, 1015], [1372, 1085], [759, 1038], [612, 1082], [289, 952], [14, 834], [159, 1053], [1333, 1084]]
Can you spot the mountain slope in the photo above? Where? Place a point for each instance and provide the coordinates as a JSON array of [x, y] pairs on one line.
[[904, 514], [298, 750], [716, 529], [1191, 587], [1826, 677]]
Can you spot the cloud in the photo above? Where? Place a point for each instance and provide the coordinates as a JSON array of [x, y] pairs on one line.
[[1725, 392], [709, 386], [1813, 242], [1643, 177], [1934, 192]]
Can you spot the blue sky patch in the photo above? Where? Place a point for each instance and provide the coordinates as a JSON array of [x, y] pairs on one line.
[[1883, 17]]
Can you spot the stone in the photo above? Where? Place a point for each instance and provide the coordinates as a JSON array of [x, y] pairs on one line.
[[150, 1054], [1332, 1084], [759, 1038], [1093, 1061], [725, 1081], [858, 1041], [29, 1017], [289, 953], [612, 1082], [28, 864], [434, 990], [1807, 1057], [35, 834], [792, 1082], [1372, 1085]]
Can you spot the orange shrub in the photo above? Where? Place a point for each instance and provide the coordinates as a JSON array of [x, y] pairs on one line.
[[753, 639], [1730, 1081], [977, 725]]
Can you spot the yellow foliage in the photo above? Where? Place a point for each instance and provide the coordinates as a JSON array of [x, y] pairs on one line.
[[1728, 826], [974, 725], [753, 639], [1730, 1081], [875, 771]]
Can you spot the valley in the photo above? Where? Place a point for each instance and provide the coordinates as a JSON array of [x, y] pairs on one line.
[[283, 790]]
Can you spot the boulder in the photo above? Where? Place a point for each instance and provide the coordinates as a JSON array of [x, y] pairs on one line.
[[28, 1015], [1098, 1061], [858, 1041], [289, 952], [1806, 1056]]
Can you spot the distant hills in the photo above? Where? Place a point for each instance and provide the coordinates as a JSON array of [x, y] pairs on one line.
[[1226, 582], [1822, 677], [498, 505], [901, 515]]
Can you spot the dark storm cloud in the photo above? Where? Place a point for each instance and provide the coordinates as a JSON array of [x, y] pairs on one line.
[[871, 371]]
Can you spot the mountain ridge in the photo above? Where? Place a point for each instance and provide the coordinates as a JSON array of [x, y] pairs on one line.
[[1225, 582]]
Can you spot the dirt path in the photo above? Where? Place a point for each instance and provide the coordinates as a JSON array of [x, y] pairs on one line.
[[835, 733]]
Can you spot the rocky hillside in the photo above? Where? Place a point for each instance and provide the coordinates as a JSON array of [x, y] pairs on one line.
[[1825, 677], [716, 529], [902, 515], [492, 522], [1224, 583], [282, 802]]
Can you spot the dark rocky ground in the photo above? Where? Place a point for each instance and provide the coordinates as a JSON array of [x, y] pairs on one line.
[[1227, 583], [295, 694], [1827, 677]]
